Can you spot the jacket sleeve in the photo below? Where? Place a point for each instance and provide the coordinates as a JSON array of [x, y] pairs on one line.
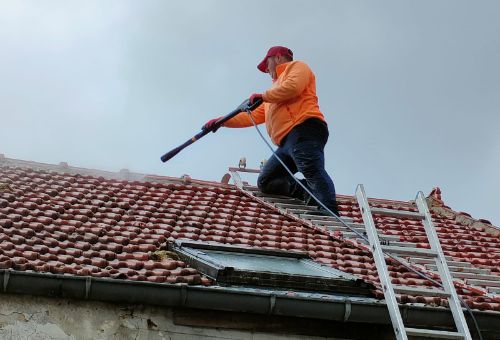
[[293, 85], [243, 120]]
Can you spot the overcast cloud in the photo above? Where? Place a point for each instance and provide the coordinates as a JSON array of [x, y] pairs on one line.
[[410, 89]]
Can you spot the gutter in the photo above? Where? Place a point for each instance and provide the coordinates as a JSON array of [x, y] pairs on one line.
[[234, 299]]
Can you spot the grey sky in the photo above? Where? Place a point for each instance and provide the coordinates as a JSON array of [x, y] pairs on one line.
[[410, 89]]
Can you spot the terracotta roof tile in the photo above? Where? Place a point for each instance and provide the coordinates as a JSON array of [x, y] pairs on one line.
[[85, 225]]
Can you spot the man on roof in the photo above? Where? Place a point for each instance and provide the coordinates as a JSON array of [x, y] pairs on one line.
[[295, 124]]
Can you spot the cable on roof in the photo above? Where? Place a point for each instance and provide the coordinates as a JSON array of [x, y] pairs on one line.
[[469, 310]]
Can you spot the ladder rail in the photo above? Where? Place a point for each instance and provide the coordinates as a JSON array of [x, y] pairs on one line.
[[435, 253], [383, 273], [442, 266]]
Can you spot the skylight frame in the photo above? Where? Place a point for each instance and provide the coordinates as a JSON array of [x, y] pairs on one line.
[[197, 255]]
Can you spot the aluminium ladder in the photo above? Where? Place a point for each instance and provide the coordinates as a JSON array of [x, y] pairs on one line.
[[435, 253]]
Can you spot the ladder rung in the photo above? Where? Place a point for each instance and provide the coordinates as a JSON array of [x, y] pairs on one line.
[[384, 239], [434, 334], [337, 223], [297, 212], [253, 171], [494, 290], [324, 218], [402, 244], [390, 238], [410, 251], [467, 271], [398, 213], [338, 228], [484, 277], [296, 206], [419, 291], [486, 283], [449, 262], [283, 200]]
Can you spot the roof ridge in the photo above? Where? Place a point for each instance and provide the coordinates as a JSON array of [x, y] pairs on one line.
[[437, 206], [434, 198], [122, 175], [186, 179], [64, 167], [127, 175]]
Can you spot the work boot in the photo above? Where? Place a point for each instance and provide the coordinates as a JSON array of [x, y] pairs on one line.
[[335, 208], [300, 193], [306, 198]]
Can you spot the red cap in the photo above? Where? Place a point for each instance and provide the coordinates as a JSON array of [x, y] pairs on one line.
[[274, 51]]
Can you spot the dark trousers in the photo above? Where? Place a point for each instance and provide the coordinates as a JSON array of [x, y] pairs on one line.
[[302, 150]]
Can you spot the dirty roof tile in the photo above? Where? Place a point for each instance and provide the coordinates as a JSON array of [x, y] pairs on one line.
[[85, 225]]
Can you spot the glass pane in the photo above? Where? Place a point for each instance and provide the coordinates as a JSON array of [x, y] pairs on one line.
[[271, 264]]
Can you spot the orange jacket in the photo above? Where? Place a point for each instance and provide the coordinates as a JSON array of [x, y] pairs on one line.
[[290, 101]]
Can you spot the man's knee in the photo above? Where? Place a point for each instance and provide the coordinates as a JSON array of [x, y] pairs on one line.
[[271, 185]]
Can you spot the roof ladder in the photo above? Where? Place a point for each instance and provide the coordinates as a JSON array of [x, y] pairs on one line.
[[435, 253]]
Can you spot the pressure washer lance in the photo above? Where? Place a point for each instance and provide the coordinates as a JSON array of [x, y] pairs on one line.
[[245, 106]]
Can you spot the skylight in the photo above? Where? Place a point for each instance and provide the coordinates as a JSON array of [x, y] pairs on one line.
[[231, 265]]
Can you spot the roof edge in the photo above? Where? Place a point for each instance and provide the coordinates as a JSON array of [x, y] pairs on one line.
[[284, 303]]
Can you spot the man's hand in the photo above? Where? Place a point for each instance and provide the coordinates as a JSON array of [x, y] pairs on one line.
[[210, 125], [254, 97]]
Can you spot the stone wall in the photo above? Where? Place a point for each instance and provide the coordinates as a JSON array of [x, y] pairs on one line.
[[31, 317]]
